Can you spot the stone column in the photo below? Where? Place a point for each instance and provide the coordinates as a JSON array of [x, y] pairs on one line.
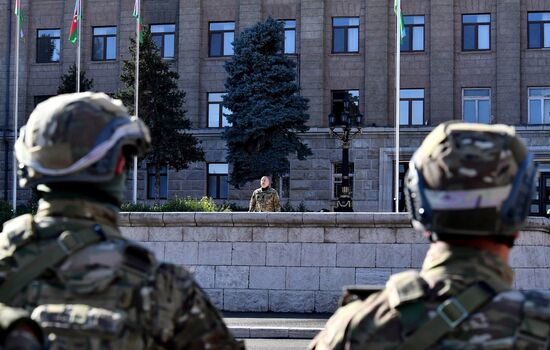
[[312, 58], [189, 56], [250, 12], [376, 64], [508, 92], [441, 30]]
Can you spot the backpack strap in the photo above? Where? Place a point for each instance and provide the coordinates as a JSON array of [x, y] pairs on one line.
[[534, 330], [449, 315], [67, 244]]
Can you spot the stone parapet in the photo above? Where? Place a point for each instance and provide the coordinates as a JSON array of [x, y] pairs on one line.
[[299, 262]]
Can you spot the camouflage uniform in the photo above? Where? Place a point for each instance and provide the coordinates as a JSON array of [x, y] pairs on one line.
[[385, 319], [264, 200], [465, 182], [87, 286]]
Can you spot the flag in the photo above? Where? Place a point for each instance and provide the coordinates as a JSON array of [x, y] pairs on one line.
[[397, 8], [137, 15], [19, 15], [73, 33]]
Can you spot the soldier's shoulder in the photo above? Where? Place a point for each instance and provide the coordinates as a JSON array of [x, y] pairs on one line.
[[17, 231], [258, 190]]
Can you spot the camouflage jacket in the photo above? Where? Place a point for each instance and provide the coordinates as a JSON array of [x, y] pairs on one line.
[[264, 200], [109, 294], [510, 320]]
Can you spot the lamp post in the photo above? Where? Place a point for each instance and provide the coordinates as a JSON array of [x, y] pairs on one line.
[[346, 127]]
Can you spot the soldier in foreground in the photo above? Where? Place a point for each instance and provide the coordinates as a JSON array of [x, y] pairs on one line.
[[87, 286], [265, 198], [468, 189]]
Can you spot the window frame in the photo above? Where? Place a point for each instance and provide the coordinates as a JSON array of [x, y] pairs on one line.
[[163, 39], [222, 43], [540, 98], [346, 35], [332, 99], [151, 184], [477, 99], [410, 27], [104, 37], [335, 175], [409, 100], [221, 117], [284, 34], [218, 181], [38, 39], [541, 28], [476, 31], [543, 191], [402, 206]]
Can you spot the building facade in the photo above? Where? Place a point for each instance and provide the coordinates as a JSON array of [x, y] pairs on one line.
[[486, 61]]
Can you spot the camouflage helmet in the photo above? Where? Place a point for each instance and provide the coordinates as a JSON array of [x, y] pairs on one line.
[[470, 179], [77, 138]]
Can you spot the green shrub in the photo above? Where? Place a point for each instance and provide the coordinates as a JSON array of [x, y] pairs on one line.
[[138, 207], [205, 204]]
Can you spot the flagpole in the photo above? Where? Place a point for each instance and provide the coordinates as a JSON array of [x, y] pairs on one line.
[[136, 96], [397, 106], [78, 47], [16, 111]]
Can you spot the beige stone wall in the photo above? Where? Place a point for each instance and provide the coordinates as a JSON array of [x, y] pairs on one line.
[[299, 262]]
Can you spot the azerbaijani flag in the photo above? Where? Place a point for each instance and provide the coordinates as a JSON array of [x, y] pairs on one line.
[[73, 33], [397, 8], [137, 15], [19, 15]]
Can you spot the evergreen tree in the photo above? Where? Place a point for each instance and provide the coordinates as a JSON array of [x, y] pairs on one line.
[[161, 108], [68, 81], [267, 110]]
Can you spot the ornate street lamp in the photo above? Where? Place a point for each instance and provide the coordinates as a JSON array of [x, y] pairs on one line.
[[346, 127]]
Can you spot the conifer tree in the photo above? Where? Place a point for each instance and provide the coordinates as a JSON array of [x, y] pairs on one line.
[[267, 109], [68, 81], [161, 107]]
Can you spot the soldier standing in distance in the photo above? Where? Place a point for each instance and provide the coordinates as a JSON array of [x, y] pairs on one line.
[[468, 189], [265, 198], [87, 286]]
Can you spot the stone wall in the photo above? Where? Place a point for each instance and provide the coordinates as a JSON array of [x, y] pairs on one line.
[[299, 262]]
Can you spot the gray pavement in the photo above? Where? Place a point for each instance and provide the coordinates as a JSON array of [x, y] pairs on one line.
[[275, 325]]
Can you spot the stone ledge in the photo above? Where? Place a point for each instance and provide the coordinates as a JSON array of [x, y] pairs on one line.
[[244, 219]]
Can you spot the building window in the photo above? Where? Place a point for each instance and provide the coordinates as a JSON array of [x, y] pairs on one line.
[[216, 111], [338, 99], [217, 180], [151, 182], [539, 30], [345, 34], [282, 185], [414, 34], [221, 35], [411, 107], [164, 36], [104, 44], [337, 179], [540, 202], [476, 105], [476, 32], [289, 43], [403, 168], [539, 106], [41, 98], [48, 45]]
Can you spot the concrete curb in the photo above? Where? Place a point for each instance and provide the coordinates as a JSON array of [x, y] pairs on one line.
[[274, 332]]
